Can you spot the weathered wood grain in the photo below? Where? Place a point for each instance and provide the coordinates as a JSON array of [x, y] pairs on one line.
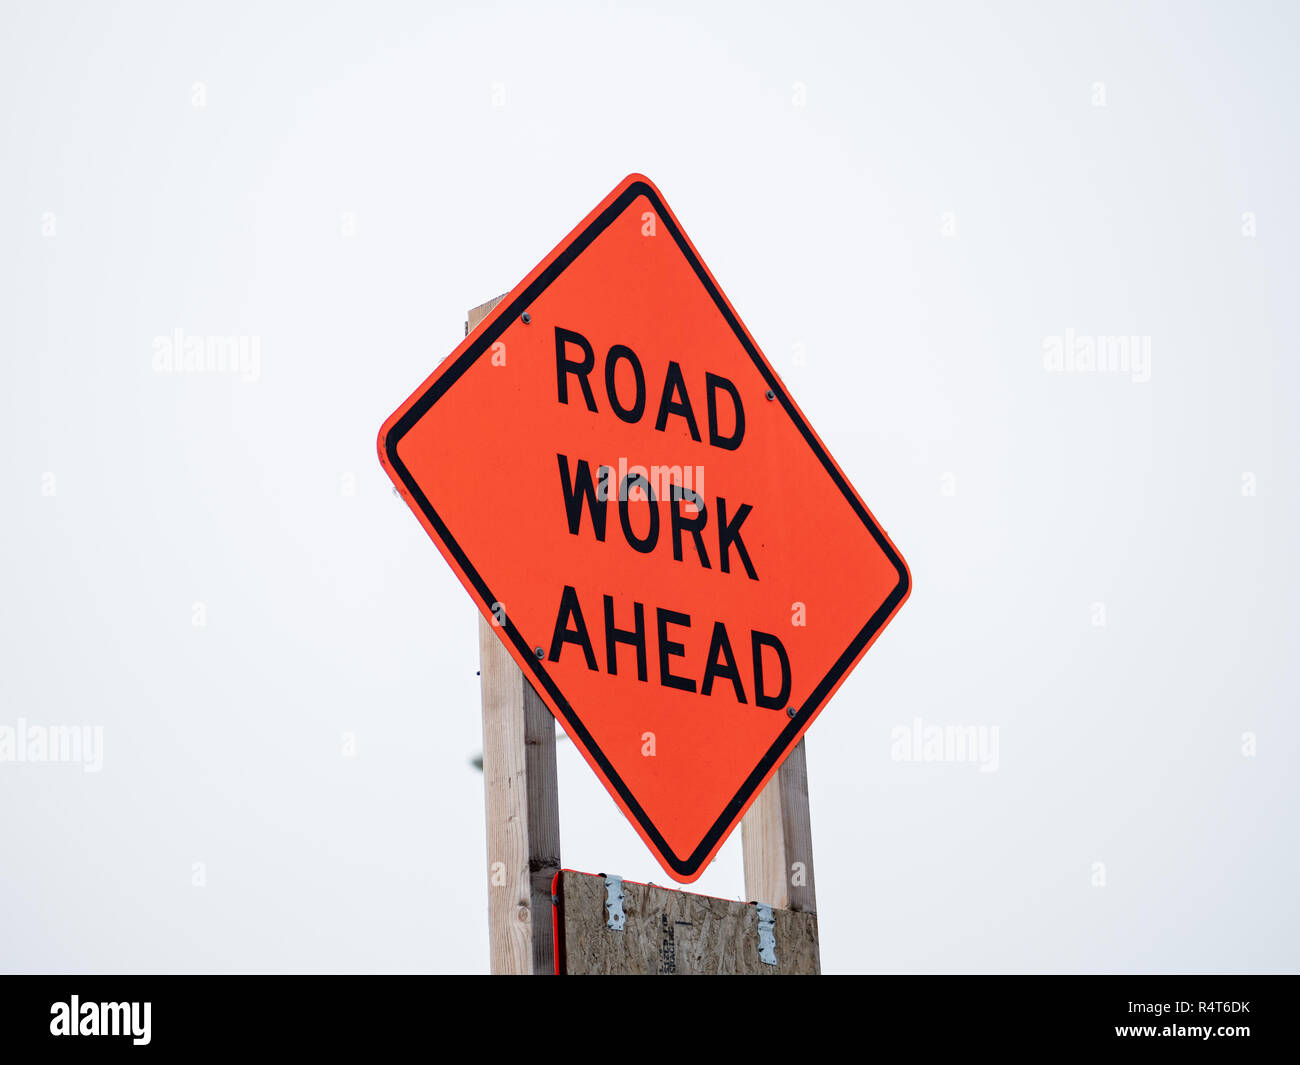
[[675, 933], [522, 801], [477, 314], [777, 838]]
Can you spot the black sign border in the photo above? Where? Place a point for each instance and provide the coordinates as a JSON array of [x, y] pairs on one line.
[[501, 317]]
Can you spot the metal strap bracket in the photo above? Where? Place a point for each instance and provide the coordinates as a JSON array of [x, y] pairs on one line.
[[766, 934], [615, 917]]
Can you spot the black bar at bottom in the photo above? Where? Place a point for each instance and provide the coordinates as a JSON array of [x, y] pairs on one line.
[[372, 1013]]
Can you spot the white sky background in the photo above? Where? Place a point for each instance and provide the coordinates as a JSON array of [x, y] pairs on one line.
[[1020, 498]]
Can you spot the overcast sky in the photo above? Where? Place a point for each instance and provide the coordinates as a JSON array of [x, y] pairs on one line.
[[919, 211]]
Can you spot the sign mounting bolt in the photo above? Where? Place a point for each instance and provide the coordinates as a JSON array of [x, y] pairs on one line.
[[793, 711], [771, 394], [526, 317], [539, 652]]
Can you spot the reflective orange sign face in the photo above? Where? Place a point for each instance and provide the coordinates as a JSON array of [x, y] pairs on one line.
[[620, 480]]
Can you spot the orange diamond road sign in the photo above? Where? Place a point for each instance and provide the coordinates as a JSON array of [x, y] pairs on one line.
[[619, 478]]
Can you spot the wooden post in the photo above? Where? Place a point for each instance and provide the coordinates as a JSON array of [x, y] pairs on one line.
[[523, 814], [522, 799], [777, 838]]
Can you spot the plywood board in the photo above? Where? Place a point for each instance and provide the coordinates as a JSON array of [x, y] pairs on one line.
[[670, 932]]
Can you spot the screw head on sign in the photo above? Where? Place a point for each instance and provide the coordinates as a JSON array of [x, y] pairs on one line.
[[793, 711], [539, 652], [771, 394], [526, 317]]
